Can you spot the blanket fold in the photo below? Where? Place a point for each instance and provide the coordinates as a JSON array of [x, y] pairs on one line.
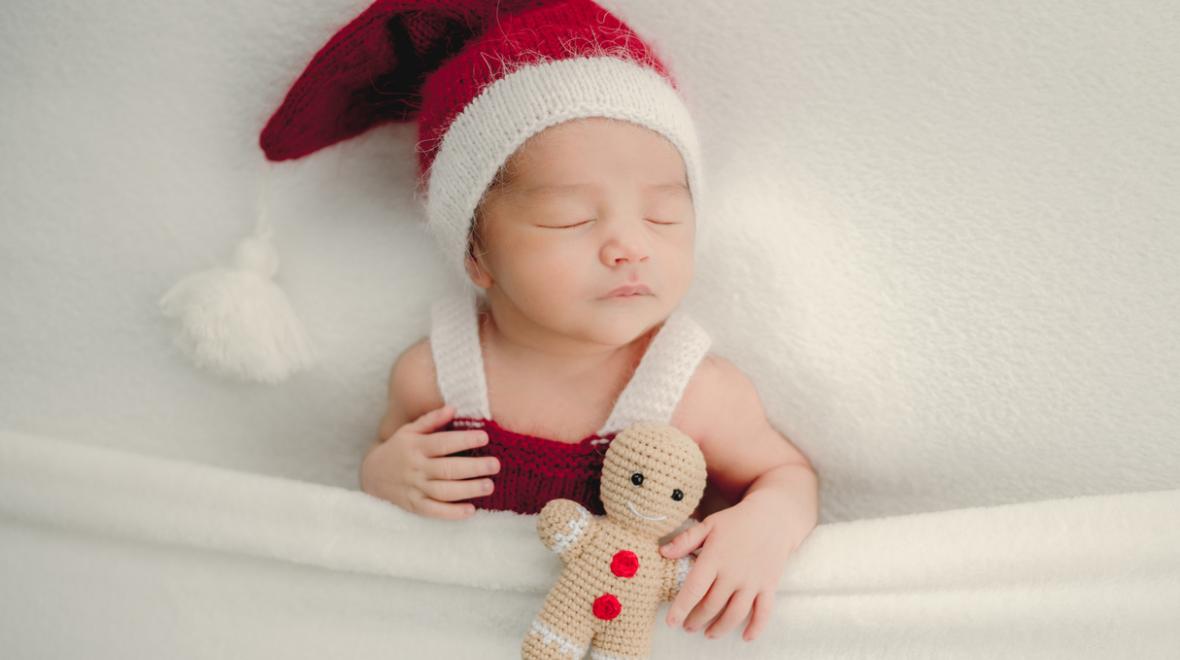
[[1082, 577]]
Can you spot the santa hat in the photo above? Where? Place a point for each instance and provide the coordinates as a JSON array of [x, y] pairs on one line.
[[479, 77]]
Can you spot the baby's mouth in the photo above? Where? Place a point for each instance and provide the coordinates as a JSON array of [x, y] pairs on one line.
[[636, 512]]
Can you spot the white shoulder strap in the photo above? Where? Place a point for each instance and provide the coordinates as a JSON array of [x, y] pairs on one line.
[[458, 361], [663, 373]]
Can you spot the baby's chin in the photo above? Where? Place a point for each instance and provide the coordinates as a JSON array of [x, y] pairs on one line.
[[621, 322]]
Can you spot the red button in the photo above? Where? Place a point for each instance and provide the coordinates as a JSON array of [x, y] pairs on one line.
[[624, 564], [607, 607]]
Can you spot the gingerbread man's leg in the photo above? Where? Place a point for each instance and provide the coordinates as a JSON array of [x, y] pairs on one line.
[[550, 638], [628, 637]]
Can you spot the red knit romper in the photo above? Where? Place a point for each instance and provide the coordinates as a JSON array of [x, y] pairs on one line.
[[534, 470]]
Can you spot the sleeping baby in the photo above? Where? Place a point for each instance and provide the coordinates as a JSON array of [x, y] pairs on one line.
[[562, 178], [582, 249], [579, 247]]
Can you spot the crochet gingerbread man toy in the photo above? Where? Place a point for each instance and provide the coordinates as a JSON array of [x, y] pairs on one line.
[[614, 577]]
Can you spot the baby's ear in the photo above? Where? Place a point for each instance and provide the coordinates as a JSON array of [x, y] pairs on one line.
[[476, 272]]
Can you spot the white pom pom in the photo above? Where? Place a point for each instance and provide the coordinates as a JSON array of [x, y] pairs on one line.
[[236, 321]]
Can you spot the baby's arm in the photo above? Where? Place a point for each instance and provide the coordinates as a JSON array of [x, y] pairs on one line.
[[744, 548], [564, 527], [411, 462]]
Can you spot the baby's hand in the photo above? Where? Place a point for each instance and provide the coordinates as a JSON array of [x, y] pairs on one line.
[[412, 468], [743, 554]]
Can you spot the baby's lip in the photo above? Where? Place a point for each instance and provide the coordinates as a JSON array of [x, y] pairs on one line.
[[629, 290], [636, 512]]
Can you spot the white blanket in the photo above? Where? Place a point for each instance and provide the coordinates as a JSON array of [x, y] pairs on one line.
[[110, 554]]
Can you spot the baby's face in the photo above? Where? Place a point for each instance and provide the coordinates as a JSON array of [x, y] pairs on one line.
[[593, 204]]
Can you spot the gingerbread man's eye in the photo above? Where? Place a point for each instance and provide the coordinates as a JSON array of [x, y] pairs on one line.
[[637, 478], [677, 494]]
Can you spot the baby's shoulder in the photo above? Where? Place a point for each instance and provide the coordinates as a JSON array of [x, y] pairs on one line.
[[716, 389], [717, 379], [413, 380]]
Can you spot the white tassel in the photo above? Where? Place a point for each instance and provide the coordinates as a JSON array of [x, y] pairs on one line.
[[236, 321]]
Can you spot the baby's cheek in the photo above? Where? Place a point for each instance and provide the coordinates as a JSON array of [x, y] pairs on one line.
[[524, 276], [681, 269], [545, 258]]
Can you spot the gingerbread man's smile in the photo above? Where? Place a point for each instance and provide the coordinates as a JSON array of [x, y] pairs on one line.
[[640, 515]]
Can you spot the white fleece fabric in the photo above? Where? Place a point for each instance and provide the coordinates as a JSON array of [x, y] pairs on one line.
[[118, 555], [943, 247]]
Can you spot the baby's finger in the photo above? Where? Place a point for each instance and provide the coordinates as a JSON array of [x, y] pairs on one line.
[[735, 611], [450, 491], [432, 420], [687, 541], [699, 579], [450, 468], [424, 506], [449, 442], [763, 606], [709, 607]]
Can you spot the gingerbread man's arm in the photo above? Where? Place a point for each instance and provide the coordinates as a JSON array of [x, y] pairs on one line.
[[564, 527], [675, 570]]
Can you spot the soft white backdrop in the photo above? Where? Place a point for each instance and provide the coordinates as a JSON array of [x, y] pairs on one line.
[[945, 242]]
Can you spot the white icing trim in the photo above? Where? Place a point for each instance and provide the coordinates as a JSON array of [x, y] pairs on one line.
[[458, 360], [576, 529], [548, 636], [637, 514], [526, 101], [683, 566]]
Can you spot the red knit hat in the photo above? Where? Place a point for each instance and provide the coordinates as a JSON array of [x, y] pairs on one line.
[[479, 77]]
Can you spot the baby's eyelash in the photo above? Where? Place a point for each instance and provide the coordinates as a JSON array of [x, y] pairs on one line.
[[579, 224]]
